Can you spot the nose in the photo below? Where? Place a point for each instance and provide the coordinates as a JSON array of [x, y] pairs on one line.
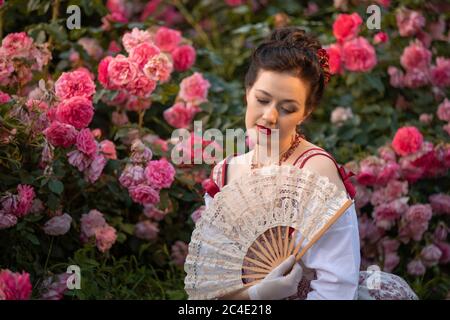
[[270, 115]]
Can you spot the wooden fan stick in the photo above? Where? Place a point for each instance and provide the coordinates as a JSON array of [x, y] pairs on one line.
[[259, 270], [258, 263], [274, 241], [261, 256], [319, 234], [286, 241], [268, 252], [269, 246]]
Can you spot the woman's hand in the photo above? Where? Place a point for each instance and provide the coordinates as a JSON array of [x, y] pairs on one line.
[[276, 285]]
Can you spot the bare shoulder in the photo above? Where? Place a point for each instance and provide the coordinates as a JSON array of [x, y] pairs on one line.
[[324, 166]]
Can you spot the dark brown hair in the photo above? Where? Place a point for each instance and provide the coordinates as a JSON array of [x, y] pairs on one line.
[[290, 49]]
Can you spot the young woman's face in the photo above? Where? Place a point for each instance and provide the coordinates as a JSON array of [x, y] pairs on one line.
[[276, 101]]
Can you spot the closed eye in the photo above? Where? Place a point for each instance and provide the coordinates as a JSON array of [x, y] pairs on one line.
[[262, 101]]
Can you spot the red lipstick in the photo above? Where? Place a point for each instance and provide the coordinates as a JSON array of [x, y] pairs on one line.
[[264, 130]]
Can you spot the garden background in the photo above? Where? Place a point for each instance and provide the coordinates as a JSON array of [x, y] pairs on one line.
[[86, 117]]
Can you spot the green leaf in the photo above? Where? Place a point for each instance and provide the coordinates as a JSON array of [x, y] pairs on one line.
[[56, 186], [33, 239]]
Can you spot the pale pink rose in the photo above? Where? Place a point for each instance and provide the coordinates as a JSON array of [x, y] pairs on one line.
[[90, 222], [407, 140], [103, 72], [340, 115], [415, 221], [440, 202], [167, 39], [446, 128], [146, 230], [430, 255], [437, 29], [86, 142], [142, 53], [394, 189], [58, 226], [118, 9], [135, 37], [369, 169], [79, 160], [179, 252], [445, 249], [141, 86], [53, 288], [26, 196], [416, 78], [363, 195], [443, 111], [119, 118], [424, 38], [158, 68], [122, 71], [359, 55], [4, 97], [388, 171], [156, 140], [97, 133], [92, 47], [77, 111], [197, 214], [14, 285], [132, 175], [441, 232], [6, 69], [17, 45], [105, 237], [386, 214], [426, 118], [396, 77], [7, 220], [160, 173], [391, 260], [194, 88], [415, 56], [36, 105], [179, 115], [95, 168], [140, 153], [440, 73], [74, 84], [61, 134], [409, 22], [387, 153], [150, 211], [144, 194], [346, 26], [335, 58], [108, 149], [380, 37], [416, 268], [137, 104], [114, 47], [183, 57]]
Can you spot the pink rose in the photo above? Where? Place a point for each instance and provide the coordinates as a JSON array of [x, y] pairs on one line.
[[103, 72], [141, 86], [416, 56], [443, 111], [146, 230], [90, 222], [122, 71], [58, 226], [139, 103], [396, 77], [335, 58], [86, 142], [144, 194], [415, 222], [441, 232], [440, 202], [409, 22], [61, 134], [17, 45], [160, 173], [407, 140], [74, 84], [359, 55], [108, 149], [197, 214], [95, 168], [167, 39], [119, 118], [391, 260], [387, 153], [183, 57], [390, 170], [25, 200], [105, 237], [440, 74], [416, 268], [4, 97], [54, 287], [14, 285], [77, 111], [346, 26], [158, 68], [79, 160], [179, 115], [92, 47], [135, 37], [386, 214], [380, 37], [179, 252], [140, 153], [369, 169], [430, 255], [426, 118], [150, 211], [234, 3], [194, 88], [142, 53], [445, 249]]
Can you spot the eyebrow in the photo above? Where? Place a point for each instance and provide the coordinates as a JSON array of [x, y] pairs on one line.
[[285, 100]]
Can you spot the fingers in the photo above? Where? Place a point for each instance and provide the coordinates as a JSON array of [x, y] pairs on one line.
[[281, 269], [296, 274]]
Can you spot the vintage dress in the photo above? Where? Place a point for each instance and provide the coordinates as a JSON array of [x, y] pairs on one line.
[[331, 266]]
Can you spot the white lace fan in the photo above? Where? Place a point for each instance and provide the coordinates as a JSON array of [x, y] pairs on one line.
[[243, 234]]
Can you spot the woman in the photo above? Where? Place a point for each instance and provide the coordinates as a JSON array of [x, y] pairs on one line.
[[285, 82]]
